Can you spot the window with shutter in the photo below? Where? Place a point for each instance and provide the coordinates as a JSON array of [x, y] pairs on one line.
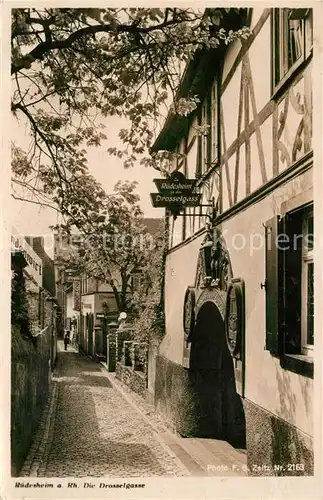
[[308, 284], [273, 286], [292, 42], [290, 286], [292, 271]]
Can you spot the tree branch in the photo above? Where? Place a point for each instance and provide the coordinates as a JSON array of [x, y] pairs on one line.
[[42, 204], [47, 46]]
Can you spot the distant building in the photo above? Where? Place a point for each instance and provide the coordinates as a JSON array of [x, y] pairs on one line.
[[48, 282], [30, 258], [34, 268], [33, 340]]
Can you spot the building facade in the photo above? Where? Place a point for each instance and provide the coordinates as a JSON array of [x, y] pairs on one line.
[[86, 303], [236, 361]]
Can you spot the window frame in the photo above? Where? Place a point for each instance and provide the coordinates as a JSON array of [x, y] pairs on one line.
[[214, 125], [205, 137], [303, 212], [307, 259], [279, 80]]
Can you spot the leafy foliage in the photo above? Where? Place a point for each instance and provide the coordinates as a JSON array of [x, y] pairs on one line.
[[19, 303], [72, 66], [149, 297]]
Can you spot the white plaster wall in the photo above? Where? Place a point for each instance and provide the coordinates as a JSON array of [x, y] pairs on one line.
[[234, 48], [256, 14], [34, 267], [103, 287], [177, 230], [232, 53], [179, 274], [256, 177], [259, 55], [266, 131], [260, 63], [189, 230], [87, 300], [242, 174], [228, 176], [108, 298], [281, 392], [230, 105], [191, 160]]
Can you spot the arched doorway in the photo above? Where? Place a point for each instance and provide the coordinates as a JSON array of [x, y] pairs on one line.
[[217, 407]]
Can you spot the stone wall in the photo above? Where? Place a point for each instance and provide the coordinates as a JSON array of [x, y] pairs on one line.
[[151, 366], [111, 350], [136, 381], [115, 342], [33, 294], [174, 397], [199, 403], [131, 366], [30, 383], [121, 337], [33, 355], [276, 448]]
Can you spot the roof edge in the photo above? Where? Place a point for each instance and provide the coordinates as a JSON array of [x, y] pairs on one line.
[[190, 83]]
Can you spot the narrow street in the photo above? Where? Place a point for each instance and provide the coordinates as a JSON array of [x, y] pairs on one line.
[[91, 428]]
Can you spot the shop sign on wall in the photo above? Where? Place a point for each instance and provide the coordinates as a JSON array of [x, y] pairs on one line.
[[175, 193], [77, 295], [34, 267]]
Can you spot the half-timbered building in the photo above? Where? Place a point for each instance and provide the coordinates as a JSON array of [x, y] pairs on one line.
[[236, 362]]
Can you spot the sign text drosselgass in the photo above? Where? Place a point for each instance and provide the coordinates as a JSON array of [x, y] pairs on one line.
[[175, 193]]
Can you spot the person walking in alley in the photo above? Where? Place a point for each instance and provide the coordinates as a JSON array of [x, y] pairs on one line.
[[66, 339]]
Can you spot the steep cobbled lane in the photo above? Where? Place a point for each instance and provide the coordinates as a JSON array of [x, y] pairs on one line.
[[91, 430]]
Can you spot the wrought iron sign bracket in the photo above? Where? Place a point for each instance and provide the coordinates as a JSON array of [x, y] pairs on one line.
[[199, 215], [194, 215], [177, 193]]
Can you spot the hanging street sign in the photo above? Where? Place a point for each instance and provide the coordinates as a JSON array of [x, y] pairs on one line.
[[175, 193], [176, 183], [167, 200]]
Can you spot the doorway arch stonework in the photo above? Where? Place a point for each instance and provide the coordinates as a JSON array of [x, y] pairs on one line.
[[214, 295], [214, 409], [211, 288]]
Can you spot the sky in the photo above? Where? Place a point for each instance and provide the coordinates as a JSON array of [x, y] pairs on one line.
[[30, 219]]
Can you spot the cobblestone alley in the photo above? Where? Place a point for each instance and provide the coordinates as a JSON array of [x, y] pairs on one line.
[[92, 427]]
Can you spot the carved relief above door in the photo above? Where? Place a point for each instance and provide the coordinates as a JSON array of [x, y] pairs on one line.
[[213, 267]]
